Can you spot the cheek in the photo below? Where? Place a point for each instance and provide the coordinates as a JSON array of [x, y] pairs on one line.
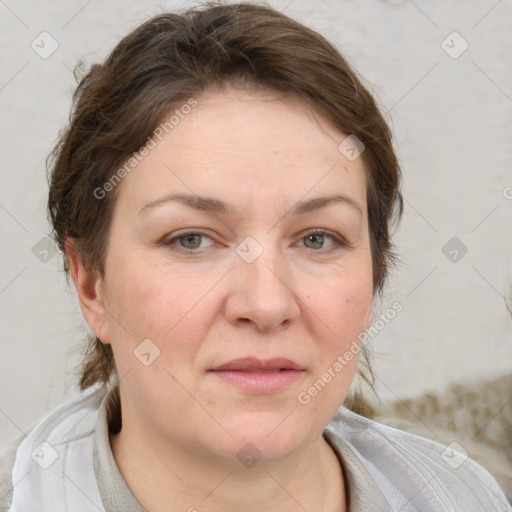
[[345, 304], [342, 311], [143, 302], [159, 304]]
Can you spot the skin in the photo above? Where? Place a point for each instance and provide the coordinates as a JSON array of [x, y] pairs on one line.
[[303, 299]]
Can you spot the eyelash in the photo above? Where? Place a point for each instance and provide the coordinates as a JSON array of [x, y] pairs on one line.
[[338, 242]]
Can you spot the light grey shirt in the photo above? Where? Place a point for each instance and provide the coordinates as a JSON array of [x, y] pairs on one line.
[[385, 469]]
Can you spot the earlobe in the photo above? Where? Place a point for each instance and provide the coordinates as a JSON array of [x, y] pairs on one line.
[[89, 287]]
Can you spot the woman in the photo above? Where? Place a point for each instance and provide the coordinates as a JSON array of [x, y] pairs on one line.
[[223, 197]]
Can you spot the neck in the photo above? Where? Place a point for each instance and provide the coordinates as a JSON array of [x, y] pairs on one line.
[[177, 479]]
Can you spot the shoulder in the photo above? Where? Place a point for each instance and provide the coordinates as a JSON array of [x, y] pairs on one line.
[[415, 473], [61, 443], [7, 458]]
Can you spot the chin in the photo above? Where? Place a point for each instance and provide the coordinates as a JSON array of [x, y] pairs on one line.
[[269, 436]]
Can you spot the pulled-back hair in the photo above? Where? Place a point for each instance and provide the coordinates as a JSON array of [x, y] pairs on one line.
[[159, 67]]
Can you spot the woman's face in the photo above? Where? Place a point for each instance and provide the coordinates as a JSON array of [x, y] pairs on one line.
[[251, 262]]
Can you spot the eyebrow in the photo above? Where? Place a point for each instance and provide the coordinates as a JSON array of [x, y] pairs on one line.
[[216, 206]]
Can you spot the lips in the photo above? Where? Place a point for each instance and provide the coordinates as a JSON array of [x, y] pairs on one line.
[[256, 376], [252, 364]]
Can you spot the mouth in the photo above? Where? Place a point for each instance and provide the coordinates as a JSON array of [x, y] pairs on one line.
[[257, 376]]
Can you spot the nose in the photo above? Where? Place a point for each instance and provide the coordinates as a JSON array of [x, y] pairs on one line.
[[262, 292]]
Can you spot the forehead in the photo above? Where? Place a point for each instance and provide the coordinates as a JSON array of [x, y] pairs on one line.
[[261, 143], [255, 120]]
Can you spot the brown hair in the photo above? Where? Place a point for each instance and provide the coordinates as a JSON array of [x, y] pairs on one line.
[[172, 58]]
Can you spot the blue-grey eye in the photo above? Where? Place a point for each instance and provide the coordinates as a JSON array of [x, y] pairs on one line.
[[317, 240], [192, 241]]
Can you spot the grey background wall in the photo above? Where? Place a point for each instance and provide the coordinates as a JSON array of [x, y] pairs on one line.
[[442, 72]]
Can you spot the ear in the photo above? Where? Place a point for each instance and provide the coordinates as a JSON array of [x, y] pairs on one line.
[[90, 289]]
